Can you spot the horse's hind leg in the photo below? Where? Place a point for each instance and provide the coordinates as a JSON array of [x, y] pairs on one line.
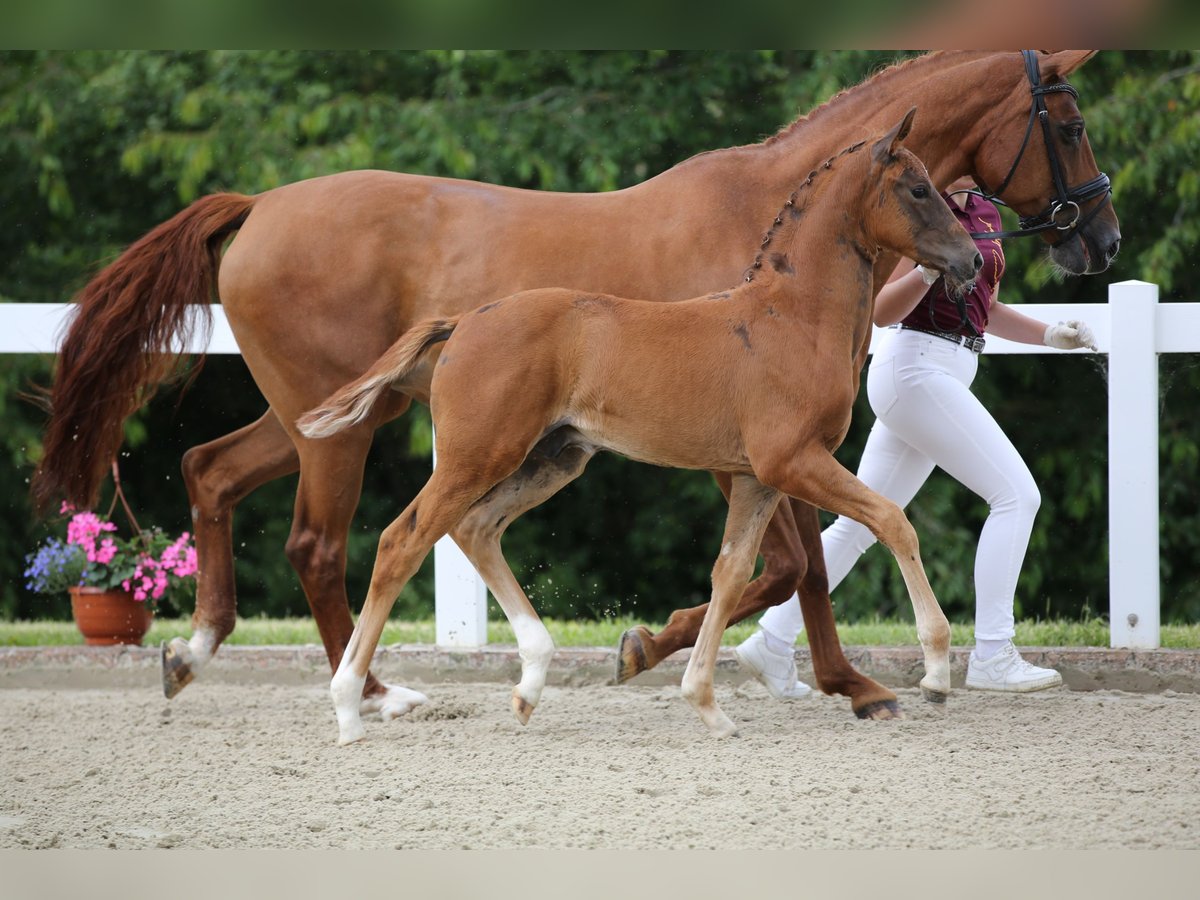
[[834, 674], [331, 472], [784, 562], [218, 475], [751, 505], [478, 535]]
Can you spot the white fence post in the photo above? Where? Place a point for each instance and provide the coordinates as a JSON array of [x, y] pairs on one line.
[[1133, 509], [460, 596]]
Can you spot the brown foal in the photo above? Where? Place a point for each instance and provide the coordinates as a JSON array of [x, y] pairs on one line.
[[326, 273], [757, 381]]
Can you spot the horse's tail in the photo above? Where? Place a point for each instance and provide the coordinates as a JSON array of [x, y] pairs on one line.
[[354, 402], [130, 320]]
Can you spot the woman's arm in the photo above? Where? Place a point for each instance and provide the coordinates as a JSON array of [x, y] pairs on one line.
[[904, 289], [1006, 322]]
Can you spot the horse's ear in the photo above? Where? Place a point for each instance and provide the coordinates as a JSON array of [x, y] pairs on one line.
[[1063, 62], [885, 148]]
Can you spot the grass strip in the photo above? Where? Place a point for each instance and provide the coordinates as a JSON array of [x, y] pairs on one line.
[[602, 633]]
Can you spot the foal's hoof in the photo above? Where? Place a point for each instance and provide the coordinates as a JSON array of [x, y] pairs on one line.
[[934, 696], [521, 707], [631, 654], [351, 735], [880, 710], [176, 666]]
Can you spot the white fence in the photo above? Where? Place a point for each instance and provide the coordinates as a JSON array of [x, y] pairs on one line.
[[1132, 328]]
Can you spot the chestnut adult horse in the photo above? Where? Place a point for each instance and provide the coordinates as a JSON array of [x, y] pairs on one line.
[[757, 382], [326, 273]]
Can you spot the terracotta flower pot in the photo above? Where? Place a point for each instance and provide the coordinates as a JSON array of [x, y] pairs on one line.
[[109, 617]]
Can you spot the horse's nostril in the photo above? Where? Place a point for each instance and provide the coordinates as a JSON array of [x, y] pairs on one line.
[[1113, 248], [978, 261]]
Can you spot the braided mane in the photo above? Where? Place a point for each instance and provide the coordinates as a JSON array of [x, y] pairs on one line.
[[790, 204]]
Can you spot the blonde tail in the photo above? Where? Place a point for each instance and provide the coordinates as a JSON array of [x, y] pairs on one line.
[[354, 402]]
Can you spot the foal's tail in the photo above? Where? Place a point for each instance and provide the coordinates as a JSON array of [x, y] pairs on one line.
[[130, 320], [354, 402]]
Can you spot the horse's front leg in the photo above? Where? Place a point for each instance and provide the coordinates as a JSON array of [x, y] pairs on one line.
[[834, 674]]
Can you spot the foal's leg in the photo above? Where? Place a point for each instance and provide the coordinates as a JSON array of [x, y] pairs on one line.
[[784, 562], [478, 535], [218, 475], [750, 507], [439, 506], [792, 540], [816, 477]]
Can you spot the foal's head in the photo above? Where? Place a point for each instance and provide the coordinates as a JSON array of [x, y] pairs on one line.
[[903, 212]]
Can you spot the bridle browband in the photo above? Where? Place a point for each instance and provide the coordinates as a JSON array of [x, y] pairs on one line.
[[1067, 201]]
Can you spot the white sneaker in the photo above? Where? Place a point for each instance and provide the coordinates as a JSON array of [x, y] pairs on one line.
[[1007, 671], [775, 670]]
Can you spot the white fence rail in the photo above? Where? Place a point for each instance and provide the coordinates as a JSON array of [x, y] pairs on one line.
[[1132, 328]]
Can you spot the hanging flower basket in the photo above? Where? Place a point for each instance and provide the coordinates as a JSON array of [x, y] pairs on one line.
[[115, 584]]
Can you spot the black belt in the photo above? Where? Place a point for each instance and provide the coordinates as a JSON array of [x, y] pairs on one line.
[[974, 344]]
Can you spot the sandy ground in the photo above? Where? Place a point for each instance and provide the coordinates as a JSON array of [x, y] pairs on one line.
[[257, 765]]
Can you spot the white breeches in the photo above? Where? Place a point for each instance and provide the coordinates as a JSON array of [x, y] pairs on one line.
[[919, 388]]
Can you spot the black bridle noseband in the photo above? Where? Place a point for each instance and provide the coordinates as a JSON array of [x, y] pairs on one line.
[[1066, 204]]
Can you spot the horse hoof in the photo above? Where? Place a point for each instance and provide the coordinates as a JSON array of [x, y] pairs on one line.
[[176, 666], [351, 736], [934, 696], [521, 708], [881, 710], [399, 701], [631, 654], [721, 726]]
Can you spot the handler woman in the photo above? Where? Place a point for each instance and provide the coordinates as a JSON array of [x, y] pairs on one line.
[[918, 385]]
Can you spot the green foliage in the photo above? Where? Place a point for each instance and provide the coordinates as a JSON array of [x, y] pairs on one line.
[[100, 146]]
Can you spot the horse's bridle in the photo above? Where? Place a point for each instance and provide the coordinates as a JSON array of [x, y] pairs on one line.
[[1067, 201]]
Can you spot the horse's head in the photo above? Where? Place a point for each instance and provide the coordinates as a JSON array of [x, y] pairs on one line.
[[904, 213], [1035, 157]]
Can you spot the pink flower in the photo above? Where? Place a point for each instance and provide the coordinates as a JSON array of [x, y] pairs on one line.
[[104, 553], [84, 528]]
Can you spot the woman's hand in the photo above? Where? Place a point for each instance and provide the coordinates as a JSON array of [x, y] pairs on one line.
[[1069, 335]]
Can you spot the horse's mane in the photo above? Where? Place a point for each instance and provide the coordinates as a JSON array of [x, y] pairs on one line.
[[880, 77], [788, 213]]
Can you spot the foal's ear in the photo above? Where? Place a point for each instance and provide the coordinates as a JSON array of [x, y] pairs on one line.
[[885, 148], [1063, 62]]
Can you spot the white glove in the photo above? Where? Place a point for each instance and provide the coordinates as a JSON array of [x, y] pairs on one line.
[[929, 276], [1069, 335]]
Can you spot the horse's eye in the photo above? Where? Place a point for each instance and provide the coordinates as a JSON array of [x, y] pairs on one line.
[[1073, 132], [920, 191]]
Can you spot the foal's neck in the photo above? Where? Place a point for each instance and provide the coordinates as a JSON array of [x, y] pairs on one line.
[[816, 261], [816, 218]]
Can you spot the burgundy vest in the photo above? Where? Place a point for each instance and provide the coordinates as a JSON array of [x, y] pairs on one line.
[[936, 310]]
